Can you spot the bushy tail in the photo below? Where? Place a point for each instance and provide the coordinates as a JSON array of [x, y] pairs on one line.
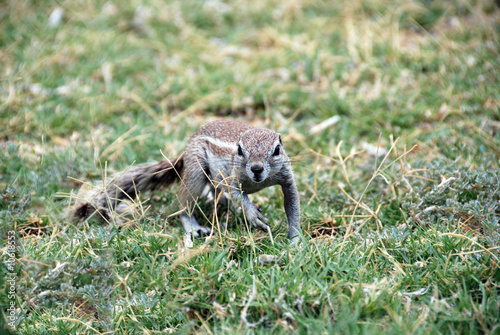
[[97, 201]]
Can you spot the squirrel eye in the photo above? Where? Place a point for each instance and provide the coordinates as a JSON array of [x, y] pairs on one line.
[[240, 151], [276, 151]]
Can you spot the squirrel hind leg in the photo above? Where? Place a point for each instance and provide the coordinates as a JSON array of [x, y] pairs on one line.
[[193, 229], [191, 226], [188, 197], [193, 184]]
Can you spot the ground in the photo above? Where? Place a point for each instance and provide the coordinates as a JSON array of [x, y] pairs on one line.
[[390, 110]]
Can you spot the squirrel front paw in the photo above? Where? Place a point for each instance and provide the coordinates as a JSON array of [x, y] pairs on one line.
[[257, 219]]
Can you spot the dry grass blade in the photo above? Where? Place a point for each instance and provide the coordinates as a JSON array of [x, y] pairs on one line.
[[252, 295], [479, 245], [80, 322]]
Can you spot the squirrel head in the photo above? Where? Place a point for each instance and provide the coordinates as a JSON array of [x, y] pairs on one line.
[[261, 153]]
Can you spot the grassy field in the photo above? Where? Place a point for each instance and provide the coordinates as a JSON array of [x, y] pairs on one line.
[[389, 108]]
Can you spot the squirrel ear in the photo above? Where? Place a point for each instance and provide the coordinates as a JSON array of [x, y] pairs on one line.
[[281, 142]]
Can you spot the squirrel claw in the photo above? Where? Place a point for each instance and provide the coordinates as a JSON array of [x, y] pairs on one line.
[[201, 232], [262, 224]]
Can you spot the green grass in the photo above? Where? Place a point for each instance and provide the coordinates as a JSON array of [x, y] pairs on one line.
[[406, 242]]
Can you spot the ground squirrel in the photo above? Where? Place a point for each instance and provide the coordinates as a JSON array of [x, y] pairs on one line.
[[228, 155]]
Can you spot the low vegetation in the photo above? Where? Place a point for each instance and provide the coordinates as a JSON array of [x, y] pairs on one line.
[[389, 108]]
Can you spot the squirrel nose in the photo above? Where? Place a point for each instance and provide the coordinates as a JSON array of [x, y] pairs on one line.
[[257, 168]]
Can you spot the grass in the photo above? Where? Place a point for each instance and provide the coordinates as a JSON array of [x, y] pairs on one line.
[[399, 239]]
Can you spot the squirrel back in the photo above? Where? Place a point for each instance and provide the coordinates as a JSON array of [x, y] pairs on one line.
[[96, 201]]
